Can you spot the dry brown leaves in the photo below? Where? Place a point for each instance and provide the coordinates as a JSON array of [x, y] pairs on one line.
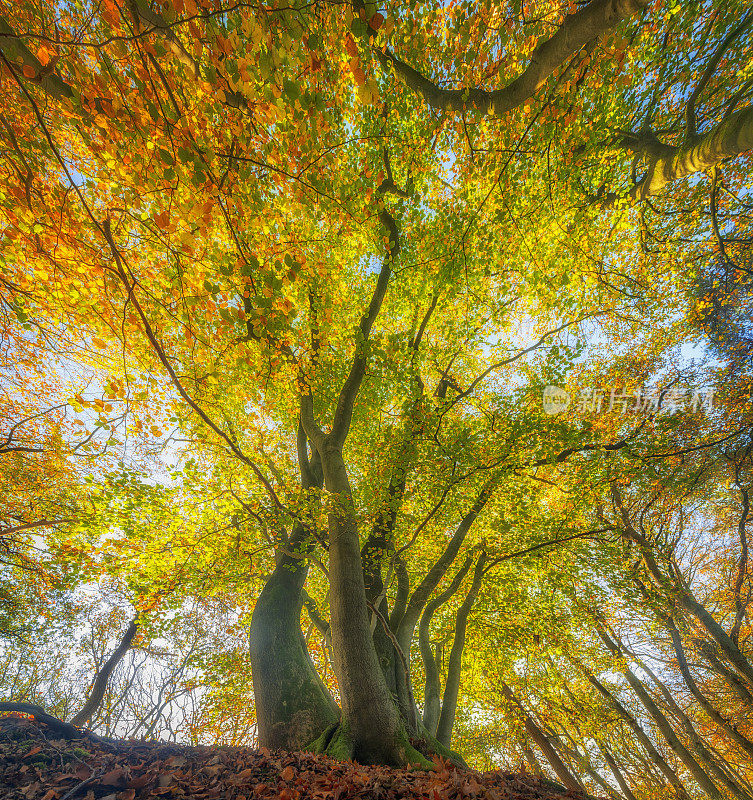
[[34, 765]]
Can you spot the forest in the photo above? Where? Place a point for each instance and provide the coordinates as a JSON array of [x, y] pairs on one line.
[[376, 383]]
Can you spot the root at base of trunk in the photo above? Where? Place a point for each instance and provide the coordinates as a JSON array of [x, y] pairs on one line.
[[337, 742]]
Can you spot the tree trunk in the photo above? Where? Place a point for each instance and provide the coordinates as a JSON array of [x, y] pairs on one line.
[[432, 688], [539, 738], [372, 731], [455, 664], [708, 652], [531, 759], [655, 756], [293, 706], [681, 593], [99, 687], [745, 744], [715, 764], [730, 650], [616, 771], [664, 726]]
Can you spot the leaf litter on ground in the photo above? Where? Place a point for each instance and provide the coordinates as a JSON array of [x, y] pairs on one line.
[[36, 764]]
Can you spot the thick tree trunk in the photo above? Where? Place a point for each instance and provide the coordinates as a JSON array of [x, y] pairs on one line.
[[99, 687], [372, 729], [293, 706]]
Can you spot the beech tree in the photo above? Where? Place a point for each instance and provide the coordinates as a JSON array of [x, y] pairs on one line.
[[340, 251]]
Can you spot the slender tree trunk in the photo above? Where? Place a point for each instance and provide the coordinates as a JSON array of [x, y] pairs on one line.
[[714, 763], [99, 687], [730, 650], [531, 759], [616, 771], [643, 738], [584, 764], [745, 744], [708, 652], [432, 702], [537, 736], [455, 664], [664, 726], [681, 593]]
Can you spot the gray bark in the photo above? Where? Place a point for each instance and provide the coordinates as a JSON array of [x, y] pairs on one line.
[[102, 678], [455, 663]]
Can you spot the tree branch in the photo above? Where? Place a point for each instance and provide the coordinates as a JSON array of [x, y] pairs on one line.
[[589, 22]]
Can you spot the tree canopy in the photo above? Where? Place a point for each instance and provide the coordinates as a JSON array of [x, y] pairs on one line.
[[408, 344]]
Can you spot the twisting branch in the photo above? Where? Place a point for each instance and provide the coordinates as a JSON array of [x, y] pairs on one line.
[[665, 163], [742, 569], [344, 411], [590, 22], [711, 66]]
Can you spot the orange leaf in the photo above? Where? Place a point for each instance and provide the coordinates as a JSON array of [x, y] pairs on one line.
[[113, 778], [350, 46], [359, 76], [29, 72], [43, 56], [375, 23]]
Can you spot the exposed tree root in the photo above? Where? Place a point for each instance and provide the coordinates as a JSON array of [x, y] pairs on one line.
[[64, 729], [337, 742]]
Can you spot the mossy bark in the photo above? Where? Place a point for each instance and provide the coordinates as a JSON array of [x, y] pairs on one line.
[[338, 742], [293, 706]]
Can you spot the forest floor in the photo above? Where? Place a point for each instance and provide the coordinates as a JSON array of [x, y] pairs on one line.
[[36, 764]]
